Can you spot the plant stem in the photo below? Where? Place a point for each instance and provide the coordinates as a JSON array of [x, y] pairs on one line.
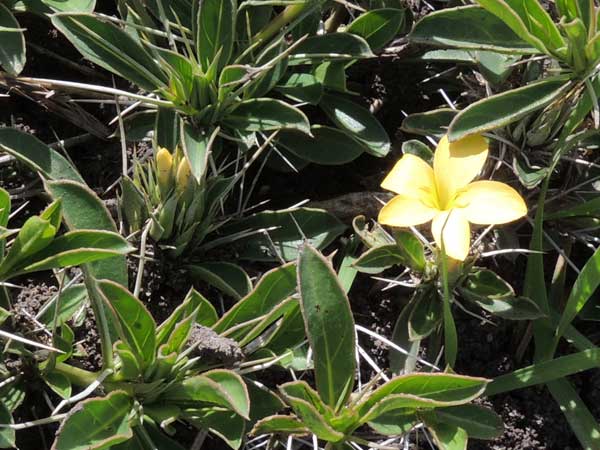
[[77, 376], [289, 14]]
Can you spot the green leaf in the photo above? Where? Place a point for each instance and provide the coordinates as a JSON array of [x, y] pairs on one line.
[[96, 423], [215, 32], [266, 114], [425, 316], [70, 301], [135, 324], [196, 147], [446, 436], [374, 237], [582, 422], [329, 327], [37, 155], [313, 420], [7, 435], [589, 208], [302, 87], [529, 20], [400, 362], [59, 383], [586, 284], [273, 288], [71, 5], [417, 148], [331, 46], [377, 259], [112, 48], [35, 235], [357, 121], [75, 248], [166, 129], [394, 423], [12, 50], [228, 425], [204, 389], [83, 210], [411, 248], [430, 123], [477, 421], [469, 27], [288, 425], [378, 26], [501, 109], [326, 146], [288, 229], [441, 387], [545, 371], [229, 278], [234, 386]]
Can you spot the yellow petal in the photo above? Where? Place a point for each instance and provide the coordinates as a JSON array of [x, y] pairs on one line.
[[456, 231], [404, 211], [456, 164], [491, 202], [410, 177]]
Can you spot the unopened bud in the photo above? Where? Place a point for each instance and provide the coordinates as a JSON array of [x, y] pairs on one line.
[[164, 164], [183, 175]]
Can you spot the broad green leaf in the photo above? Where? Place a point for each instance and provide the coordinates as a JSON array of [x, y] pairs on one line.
[[134, 323], [228, 425], [59, 383], [266, 114], [501, 109], [96, 424], [411, 248], [477, 421], [469, 27], [585, 286], [70, 300], [166, 129], [268, 78], [326, 146], [215, 31], [83, 210], [446, 436], [378, 26], [529, 20], [287, 229], [229, 278], [331, 46], [358, 121], [302, 87], [406, 362], [234, 386], [430, 123], [329, 327], [545, 371], [5, 206], [37, 155], [112, 48], [400, 402], [313, 420], [377, 259], [273, 288], [12, 50], [203, 389], [263, 401], [71, 5], [248, 334], [35, 235], [425, 316], [75, 248], [443, 387], [7, 435], [301, 390], [394, 423], [417, 148], [288, 425], [196, 147]]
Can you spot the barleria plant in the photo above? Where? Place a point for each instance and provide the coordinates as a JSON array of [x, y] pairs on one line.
[[334, 412]]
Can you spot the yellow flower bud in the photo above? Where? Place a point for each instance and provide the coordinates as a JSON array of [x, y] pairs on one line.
[[164, 164], [183, 175]]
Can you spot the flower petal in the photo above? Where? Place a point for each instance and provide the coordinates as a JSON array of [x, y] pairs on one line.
[[456, 164], [410, 177], [457, 233], [491, 202], [404, 211]]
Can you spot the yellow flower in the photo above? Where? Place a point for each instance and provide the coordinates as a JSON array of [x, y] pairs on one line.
[[164, 164], [183, 175], [447, 196]]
